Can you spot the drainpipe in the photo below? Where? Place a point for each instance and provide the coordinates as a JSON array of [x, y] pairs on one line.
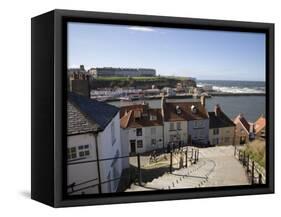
[[163, 136], [98, 161]]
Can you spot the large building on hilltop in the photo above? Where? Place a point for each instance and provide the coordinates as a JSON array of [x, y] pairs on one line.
[[122, 72]]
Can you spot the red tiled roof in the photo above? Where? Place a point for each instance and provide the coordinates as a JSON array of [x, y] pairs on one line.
[[260, 124], [128, 119], [186, 114]]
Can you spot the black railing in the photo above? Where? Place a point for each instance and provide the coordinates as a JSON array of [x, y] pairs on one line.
[[175, 159], [255, 172]]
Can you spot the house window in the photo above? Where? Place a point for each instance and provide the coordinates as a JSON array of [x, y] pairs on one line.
[[83, 150], [171, 138], [139, 131], [153, 142], [216, 131], [71, 153], [139, 144], [113, 139], [178, 125], [153, 131], [172, 126], [153, 117], [198, 124]]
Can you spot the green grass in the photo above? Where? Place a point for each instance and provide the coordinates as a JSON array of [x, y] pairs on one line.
[[256, 150]]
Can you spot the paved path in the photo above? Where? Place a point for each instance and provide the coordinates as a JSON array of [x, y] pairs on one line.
[[216, 167], [228, 170]]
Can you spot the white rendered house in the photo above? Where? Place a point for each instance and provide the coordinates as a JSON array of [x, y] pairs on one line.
[[185, 123], [93, 134], [141, 128]]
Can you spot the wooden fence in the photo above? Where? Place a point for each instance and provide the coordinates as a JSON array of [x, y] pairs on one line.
[[255, 172]]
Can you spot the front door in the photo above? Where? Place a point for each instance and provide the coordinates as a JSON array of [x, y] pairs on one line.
[[133, 146], [242, 140]]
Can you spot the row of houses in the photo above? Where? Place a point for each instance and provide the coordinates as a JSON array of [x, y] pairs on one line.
[[99, 135], [183, 123]]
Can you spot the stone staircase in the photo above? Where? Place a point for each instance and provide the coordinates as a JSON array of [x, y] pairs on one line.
[[196, 175]]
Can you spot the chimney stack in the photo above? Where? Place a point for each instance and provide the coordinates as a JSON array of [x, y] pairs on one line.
[[217, 109], [81, 87], [203, 101]]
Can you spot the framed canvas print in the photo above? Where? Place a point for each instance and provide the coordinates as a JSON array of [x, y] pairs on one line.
[[134, 108]]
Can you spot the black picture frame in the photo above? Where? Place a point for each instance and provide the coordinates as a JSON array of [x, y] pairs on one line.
[[49, 68]]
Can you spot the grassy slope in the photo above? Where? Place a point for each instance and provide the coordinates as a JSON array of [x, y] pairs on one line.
[[256, 149]]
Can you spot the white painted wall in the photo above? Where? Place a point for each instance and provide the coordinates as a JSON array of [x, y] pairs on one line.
[[199, 131], [106, 149], [83, 172], [147, 136], [183, 132]]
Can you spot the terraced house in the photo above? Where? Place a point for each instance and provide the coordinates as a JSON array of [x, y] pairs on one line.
[[243, 130], [141, 128], [222, 128], [185, 123]]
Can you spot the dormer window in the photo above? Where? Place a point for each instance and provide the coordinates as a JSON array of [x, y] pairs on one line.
[[193, 109], [178, 110], [137, 115], [153, 117]]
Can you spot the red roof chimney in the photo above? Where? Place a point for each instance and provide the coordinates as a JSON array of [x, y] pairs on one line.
[[203, 100]]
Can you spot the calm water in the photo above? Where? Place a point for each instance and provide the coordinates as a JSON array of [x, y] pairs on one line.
[[251, 106]]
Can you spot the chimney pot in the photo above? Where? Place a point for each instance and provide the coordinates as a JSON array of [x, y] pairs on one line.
[[217, 109]]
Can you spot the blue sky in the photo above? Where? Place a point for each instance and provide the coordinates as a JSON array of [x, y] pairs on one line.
[[203, 54]]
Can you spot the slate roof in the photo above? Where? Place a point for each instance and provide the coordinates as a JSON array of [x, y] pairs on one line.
[[88, 115], [240, 118], [78, 122], [186, 114], [128, 119], [219, 120]]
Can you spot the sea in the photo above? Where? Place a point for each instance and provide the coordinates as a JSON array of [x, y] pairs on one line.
[[252, 107]]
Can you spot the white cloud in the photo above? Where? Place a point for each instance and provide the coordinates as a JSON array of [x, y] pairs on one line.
[[141, 28]]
